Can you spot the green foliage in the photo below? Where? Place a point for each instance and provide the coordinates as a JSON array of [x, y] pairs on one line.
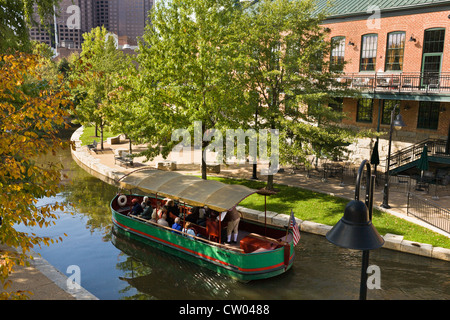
[[186, 74], [284, 58], [89, 135], [94, 74], [16, 16]]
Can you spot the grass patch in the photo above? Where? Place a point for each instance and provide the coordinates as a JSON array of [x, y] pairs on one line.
[[321, 208], [88, 135]]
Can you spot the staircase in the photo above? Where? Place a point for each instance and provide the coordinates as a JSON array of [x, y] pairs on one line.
[[438, 153]]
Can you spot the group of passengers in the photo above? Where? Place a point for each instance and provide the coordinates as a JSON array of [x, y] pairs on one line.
[[169, 215], [162, 214]]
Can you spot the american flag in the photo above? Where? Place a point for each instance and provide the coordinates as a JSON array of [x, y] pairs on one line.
[[294, 226]]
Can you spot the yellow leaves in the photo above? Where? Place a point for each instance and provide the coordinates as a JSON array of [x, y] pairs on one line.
[[30, 114]]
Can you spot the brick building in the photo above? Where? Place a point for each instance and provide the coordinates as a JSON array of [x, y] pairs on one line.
[[395, 53]]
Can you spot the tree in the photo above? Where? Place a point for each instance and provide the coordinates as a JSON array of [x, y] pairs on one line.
[[16, 16], [94, 73], [284, 50], [31, 114], [186, 73]]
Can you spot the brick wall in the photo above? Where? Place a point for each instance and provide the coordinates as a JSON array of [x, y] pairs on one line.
[[414, 26]]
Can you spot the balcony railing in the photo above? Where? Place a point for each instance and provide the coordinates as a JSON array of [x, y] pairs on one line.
[[406, 82]]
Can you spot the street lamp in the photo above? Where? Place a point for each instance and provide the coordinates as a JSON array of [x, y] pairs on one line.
[[355, 229], [396, 123]]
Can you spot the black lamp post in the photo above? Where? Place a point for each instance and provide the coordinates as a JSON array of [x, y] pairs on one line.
[[355, 229], [396, 123]]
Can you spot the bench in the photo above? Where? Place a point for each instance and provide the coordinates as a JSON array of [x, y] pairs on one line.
[[93, 146], [113, 140], [124, 159], [166, 165]]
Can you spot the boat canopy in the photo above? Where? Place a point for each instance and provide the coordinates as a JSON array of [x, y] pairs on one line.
[[189, 189]]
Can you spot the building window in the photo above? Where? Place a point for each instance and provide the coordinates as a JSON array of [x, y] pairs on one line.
[[364, 110], [337, 54], [428, 117], [388, 106], [368, 52], [434, 41], [394, 51]]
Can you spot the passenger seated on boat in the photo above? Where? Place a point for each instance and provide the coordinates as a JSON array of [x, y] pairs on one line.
[[189, 230], [193, 216], [162, 221], [146, 203], [203, 213], [172, 208], [177, 225], [169, 217], [137, 208], [154, 217], [148, 212], [198, 216]]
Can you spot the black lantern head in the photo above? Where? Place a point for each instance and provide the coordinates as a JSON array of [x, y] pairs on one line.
[[355, 229]]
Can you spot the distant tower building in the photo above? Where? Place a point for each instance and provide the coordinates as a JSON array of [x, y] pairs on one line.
[[125, 18]]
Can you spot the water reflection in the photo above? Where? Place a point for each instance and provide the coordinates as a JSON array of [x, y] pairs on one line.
[[115, 267], [160, 275]]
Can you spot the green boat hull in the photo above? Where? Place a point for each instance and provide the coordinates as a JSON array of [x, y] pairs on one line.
[[234, 263]]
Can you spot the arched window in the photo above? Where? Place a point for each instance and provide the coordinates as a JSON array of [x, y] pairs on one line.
[[337, 54], [395, 50], [368, 52]]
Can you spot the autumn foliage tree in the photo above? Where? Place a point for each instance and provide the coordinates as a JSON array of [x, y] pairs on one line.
[[32, 111]]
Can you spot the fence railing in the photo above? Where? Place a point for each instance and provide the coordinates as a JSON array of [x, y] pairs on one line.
[[429, 212], [425, 82], [435, 147]]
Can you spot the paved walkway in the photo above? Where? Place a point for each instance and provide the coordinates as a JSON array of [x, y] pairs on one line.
[[43, 281]]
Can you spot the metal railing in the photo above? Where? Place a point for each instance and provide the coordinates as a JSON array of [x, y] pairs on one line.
[[423, 82], [412, 153], [429, 212]]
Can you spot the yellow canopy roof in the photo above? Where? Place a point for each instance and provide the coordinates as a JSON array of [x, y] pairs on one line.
[[189, 189]]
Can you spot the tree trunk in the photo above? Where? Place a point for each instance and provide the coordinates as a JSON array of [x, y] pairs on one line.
[[204, 173], [101, 137], [269, 185], [204, 177]]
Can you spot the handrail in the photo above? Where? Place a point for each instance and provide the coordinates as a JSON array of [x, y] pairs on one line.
[[428, 82], [428, 211], [414, 152]]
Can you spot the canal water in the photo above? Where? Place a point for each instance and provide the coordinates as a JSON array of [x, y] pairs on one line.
[[115, 267]]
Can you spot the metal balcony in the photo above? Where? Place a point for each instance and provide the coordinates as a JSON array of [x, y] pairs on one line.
[[405, 82]]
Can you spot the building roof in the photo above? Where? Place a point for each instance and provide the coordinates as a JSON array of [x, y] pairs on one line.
[[362, 7]]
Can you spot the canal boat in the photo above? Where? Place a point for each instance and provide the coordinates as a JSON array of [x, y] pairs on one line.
[[261, 251]]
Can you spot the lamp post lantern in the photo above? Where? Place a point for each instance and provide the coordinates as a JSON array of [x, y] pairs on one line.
[[355, 229], [396, 123]]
